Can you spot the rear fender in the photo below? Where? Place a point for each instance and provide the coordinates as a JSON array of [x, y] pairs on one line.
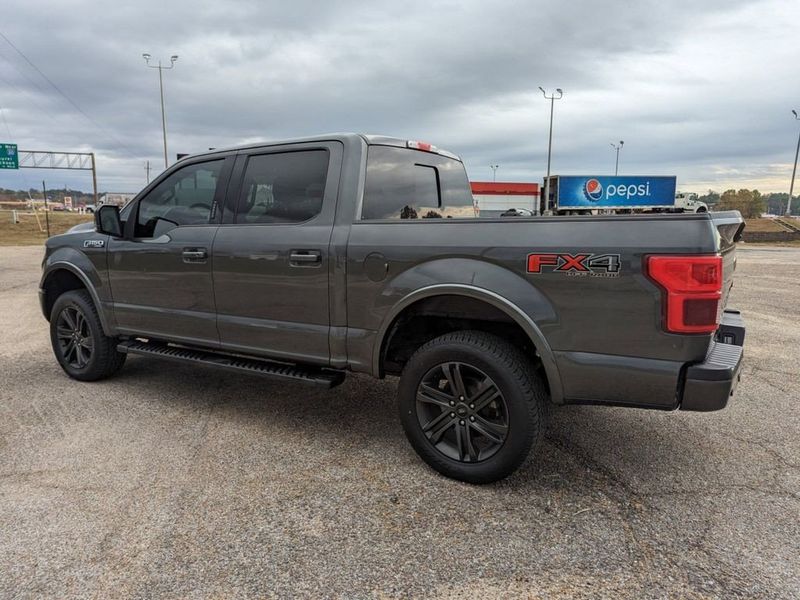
[[522, 302]]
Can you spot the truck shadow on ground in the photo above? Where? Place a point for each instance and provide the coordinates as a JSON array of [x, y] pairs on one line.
[[584, 446]]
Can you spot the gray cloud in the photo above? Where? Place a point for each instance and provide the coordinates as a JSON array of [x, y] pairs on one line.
[[701, 90]]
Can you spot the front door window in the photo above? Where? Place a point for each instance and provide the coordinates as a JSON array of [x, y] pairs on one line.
[[184, 198]]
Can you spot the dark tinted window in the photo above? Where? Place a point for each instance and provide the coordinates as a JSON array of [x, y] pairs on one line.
[[411, 184], [184, 198], [283, 187]]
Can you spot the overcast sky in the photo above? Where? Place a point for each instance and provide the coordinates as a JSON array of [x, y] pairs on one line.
[[701, 89]]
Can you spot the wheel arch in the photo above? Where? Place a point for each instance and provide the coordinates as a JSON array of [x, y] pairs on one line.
[[489, 298], [61, 276]]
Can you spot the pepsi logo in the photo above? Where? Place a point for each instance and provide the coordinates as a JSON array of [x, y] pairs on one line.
[[593, 190]]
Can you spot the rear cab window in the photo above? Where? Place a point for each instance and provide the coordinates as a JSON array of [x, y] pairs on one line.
[[403, 183]]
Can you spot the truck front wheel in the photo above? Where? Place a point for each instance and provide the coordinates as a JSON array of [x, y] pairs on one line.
[[79, 343], [472, 405]]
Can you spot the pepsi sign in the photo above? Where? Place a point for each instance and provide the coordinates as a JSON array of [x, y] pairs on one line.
[[615, 191]]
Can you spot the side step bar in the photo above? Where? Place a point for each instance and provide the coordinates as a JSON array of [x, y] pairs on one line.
[[314, 376]]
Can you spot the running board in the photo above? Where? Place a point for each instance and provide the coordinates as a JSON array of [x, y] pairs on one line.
[[314, 376]]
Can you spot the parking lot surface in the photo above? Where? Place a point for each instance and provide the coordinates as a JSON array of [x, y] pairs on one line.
[[173, 481]]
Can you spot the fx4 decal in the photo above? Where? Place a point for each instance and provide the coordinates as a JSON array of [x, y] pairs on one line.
[[93, 243], [575, 265]]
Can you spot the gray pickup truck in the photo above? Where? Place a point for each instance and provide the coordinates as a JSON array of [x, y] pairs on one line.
[[309, 258]]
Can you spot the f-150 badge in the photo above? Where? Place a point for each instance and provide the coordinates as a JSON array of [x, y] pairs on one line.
[[94, 243], [576, 265]]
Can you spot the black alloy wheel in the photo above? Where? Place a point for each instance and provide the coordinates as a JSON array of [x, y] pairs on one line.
[[75, 338], [472, 405], [462, 412], [79, 342]]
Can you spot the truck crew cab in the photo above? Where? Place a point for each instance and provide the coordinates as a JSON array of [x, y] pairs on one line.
[[308, 259]]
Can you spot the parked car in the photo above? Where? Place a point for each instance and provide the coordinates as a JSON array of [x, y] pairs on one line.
[[309, 259]]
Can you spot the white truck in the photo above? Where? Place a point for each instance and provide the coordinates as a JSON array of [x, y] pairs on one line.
[[688, 202]]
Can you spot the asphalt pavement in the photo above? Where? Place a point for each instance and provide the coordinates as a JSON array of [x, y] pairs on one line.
[[184, 482]]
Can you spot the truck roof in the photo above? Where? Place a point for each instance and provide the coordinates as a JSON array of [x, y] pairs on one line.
[[345, 138]]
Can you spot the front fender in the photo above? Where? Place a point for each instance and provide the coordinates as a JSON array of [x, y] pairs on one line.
[[515, 296], [86, 270]]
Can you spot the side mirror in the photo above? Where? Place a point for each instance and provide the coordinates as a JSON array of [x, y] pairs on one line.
[[107, 221]]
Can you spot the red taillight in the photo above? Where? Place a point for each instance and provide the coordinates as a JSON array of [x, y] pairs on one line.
[[693, 286], [424, 146]]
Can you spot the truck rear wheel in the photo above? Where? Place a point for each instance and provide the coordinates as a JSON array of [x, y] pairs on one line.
[[472, 405], [79, 343]]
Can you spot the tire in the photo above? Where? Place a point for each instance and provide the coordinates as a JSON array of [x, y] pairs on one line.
[[79, 343], [498, 418]]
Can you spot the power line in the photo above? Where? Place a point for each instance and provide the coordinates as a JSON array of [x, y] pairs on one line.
[[32, 99], [10, 137], [8, 131], [67, 98], [21, 89], [33, 83], [45, 77]]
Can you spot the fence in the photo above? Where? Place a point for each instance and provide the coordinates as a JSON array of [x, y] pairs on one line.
[[770, 236]]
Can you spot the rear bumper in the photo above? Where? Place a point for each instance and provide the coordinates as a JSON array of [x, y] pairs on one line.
[[710, 384]]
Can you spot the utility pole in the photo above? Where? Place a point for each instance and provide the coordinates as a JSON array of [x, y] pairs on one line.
[[552, 99], [161, 68], [147, 170], [794, 170], [494, 171], [46, 210], [94, 180], [617, 147]]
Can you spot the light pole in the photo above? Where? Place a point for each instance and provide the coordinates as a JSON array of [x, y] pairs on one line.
[[494, 171], [617, 147], [794, 170], [161, 68], [552, 99]]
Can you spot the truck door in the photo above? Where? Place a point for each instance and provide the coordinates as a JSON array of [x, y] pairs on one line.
[[160, 273], [272, 262]]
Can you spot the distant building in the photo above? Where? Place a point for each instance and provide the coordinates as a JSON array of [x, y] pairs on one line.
[[115, 198], [493, 198]]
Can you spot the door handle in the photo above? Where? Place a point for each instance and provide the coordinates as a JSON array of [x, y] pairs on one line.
[[305, 258], [195, 254]]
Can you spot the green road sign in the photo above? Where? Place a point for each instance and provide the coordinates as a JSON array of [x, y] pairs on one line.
[[9, 159]]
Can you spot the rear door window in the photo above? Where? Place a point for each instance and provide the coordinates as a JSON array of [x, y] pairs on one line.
[[283, 187]]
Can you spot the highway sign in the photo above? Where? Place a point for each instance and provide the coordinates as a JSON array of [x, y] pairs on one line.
[[9, 159]]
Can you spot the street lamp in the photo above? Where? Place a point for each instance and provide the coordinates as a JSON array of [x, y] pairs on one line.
[[617, 147], [552, 99], [494, 171], [794, 170], [161, 68]]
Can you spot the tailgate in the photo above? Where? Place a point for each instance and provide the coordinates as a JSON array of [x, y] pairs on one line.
[[729, 226]]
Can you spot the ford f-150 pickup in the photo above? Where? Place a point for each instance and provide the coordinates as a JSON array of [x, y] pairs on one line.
[[311, 258]]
